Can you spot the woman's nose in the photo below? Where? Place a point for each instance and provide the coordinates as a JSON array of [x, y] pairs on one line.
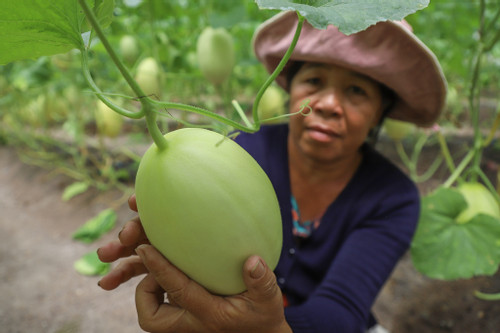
[[329, 103]]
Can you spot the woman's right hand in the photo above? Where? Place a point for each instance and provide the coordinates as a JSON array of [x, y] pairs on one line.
[[130, 237]]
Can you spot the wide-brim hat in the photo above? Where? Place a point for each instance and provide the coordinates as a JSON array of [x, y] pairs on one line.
[[387, 52]]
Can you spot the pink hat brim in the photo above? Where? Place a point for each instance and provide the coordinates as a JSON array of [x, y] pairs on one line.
[[388, 52]]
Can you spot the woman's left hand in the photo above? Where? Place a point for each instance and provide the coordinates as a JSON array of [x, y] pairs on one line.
[[191, 308]]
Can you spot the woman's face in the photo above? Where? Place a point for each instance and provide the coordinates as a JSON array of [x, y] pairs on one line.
[[344, 106]]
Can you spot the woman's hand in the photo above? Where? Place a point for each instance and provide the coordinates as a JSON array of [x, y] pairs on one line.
[[131, 236], [191, 308]]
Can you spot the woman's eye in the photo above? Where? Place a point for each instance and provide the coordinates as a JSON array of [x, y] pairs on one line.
[[313, 81], [357, 90]]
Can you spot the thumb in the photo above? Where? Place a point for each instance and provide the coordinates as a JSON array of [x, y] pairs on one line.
[[260, 280], [132, 203]]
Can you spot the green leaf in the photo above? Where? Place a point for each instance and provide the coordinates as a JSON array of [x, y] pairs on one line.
[[30, 29], [349, 16], [442, 248], [74, 189], [96, 227], [103, 10], [89, 264]]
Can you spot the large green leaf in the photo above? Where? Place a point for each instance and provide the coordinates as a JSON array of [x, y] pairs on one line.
[[33, 28], [445, 249], [349, 16], [30, 29]]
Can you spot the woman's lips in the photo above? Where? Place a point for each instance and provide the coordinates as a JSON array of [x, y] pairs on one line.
[[321, 133]]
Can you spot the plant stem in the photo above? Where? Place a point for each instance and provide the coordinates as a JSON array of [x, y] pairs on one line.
[[460, 168], [492, 42], [102, 37], [154, 130], [488, 184], [417, 149], [149, 105], [430, 171], [494, 127], [241, 113], [475, 89], [146, 102], [491, 25], [152, 23], [403, 155], [487, 297], [446, 152], [204, 112], [100, 94], [278, 70]]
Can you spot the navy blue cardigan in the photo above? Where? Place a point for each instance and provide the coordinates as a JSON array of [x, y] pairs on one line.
[[332, 278]]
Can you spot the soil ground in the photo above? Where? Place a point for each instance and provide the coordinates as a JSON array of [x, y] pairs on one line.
[[42, 293]]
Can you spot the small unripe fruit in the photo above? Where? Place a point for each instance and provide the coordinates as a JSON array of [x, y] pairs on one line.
[[215, 53]]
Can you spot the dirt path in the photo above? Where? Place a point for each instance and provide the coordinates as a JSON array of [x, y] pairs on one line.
[[40, 291]]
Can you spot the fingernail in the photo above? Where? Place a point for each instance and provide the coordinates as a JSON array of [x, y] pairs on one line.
[[119, 234], [258, 270], [140, 251]]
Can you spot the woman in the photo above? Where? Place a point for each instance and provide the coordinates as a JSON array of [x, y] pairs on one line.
[[348, 213]]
